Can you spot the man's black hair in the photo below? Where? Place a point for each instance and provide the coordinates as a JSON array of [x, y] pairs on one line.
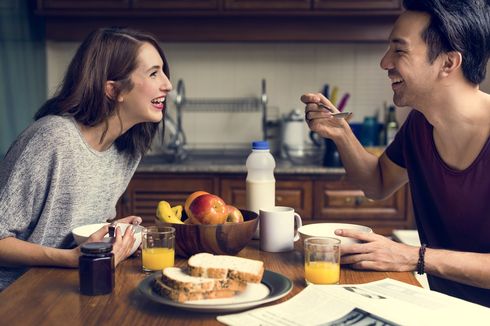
[[457, 25]]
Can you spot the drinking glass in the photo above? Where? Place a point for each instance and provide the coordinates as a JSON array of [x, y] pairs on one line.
[[158, 245], [322, 260]]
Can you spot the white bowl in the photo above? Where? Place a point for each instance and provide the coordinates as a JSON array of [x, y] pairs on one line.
[[82, 233], [328, 230]]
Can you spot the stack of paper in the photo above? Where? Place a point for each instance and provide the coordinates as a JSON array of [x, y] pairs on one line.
[[385, 302]]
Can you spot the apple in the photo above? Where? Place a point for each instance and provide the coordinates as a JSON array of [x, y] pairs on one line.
[[208, 209], [190, 199], [234, 215]]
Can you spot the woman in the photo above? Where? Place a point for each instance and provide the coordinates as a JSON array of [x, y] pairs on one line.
[[73, 163]]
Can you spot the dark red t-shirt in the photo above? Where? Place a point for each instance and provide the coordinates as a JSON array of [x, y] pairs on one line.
[[452, 208]]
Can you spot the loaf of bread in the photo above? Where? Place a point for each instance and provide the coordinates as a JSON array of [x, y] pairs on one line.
[[222, 266]]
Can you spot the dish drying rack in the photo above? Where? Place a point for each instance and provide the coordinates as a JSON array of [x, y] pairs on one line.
[[246, 104], [243, 104]]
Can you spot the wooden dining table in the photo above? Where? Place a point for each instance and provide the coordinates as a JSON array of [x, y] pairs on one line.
[[50, 296]]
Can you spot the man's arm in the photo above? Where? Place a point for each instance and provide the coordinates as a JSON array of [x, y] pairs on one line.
[[465, 267], [382, 254], [378, 178]]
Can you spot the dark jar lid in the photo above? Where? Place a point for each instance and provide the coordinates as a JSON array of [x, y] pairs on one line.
[[96, 248]]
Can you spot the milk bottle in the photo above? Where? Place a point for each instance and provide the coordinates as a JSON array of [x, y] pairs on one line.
[[261, 185]]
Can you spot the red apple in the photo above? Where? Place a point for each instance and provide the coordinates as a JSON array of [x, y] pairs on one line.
[[234, 215], [189, 201], [208, 209]]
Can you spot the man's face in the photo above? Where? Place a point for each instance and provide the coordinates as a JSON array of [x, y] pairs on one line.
[[413, 78]]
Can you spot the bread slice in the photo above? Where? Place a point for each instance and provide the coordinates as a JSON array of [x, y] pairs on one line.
[[183, 296], [222, 266], [179, 286]]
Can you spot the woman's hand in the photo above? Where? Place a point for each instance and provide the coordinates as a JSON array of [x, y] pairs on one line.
[[135, 220], [377, 252], [121, 247], [123, 242]]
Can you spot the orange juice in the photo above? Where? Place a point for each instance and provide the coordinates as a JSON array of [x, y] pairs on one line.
[[155, 259], [322, 272]]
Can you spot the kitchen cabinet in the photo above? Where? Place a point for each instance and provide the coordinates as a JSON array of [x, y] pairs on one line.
[[310, 6], [338, 201], [290, 191], [147, 189], [176, 4], [82, 4], [357, 4], [279, 5], [225, 20], [317, 198]]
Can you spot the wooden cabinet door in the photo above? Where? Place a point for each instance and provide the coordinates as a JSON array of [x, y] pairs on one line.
[[338, 201], [279, 5], [177, 4], [326, 200], [294, 193], [83, 4], [146, 189], [358, 4]]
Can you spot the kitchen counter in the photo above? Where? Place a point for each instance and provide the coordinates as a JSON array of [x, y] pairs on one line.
[[230, 162]]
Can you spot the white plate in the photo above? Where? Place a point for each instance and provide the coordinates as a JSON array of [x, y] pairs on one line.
[[273, 287]]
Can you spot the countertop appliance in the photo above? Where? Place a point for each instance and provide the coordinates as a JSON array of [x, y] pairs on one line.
[[293, 134]]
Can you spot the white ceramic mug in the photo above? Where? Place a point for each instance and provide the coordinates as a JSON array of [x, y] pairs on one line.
[[278, 228]]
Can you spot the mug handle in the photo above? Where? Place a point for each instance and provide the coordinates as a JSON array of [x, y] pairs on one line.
[[297, 224]]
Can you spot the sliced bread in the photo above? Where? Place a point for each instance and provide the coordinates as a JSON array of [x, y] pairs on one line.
[[183, 296], [222, 266], [179, 286]]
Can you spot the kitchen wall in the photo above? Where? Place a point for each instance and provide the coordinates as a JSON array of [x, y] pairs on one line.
[[231, 70]]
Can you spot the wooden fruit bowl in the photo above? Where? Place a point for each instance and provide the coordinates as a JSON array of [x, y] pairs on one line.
[[218, 239]]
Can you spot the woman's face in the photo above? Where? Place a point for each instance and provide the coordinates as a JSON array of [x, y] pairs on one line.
[[144, 102]]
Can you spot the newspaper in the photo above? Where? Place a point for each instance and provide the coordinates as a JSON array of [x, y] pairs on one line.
[[385, 302]]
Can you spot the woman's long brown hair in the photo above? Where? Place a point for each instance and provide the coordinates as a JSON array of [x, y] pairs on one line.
[[106, 54]]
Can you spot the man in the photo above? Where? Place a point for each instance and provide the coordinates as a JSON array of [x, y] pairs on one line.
[[437, 57]]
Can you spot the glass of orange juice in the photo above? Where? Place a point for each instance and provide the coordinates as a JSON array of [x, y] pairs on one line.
[[322, 260], [158, 248]]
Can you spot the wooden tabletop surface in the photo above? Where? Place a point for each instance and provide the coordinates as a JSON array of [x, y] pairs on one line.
[[50, 296]]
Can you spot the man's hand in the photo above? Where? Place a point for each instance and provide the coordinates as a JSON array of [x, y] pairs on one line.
[[320, 119], [377, 252]]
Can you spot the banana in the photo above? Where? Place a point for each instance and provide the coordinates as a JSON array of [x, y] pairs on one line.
[[167, 214], [178, 211]]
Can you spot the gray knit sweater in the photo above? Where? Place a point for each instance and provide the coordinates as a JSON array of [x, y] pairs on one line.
[[52, 181]]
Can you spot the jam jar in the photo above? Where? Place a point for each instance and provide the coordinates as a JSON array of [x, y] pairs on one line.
[[96, 268]]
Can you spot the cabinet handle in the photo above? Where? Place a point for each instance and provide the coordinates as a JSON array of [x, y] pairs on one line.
[[358, 200], [279, 198]]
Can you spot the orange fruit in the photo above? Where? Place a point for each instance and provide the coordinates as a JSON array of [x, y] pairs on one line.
[[189, 200]]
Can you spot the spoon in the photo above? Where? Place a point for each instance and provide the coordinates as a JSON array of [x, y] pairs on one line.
[[338, 115]]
